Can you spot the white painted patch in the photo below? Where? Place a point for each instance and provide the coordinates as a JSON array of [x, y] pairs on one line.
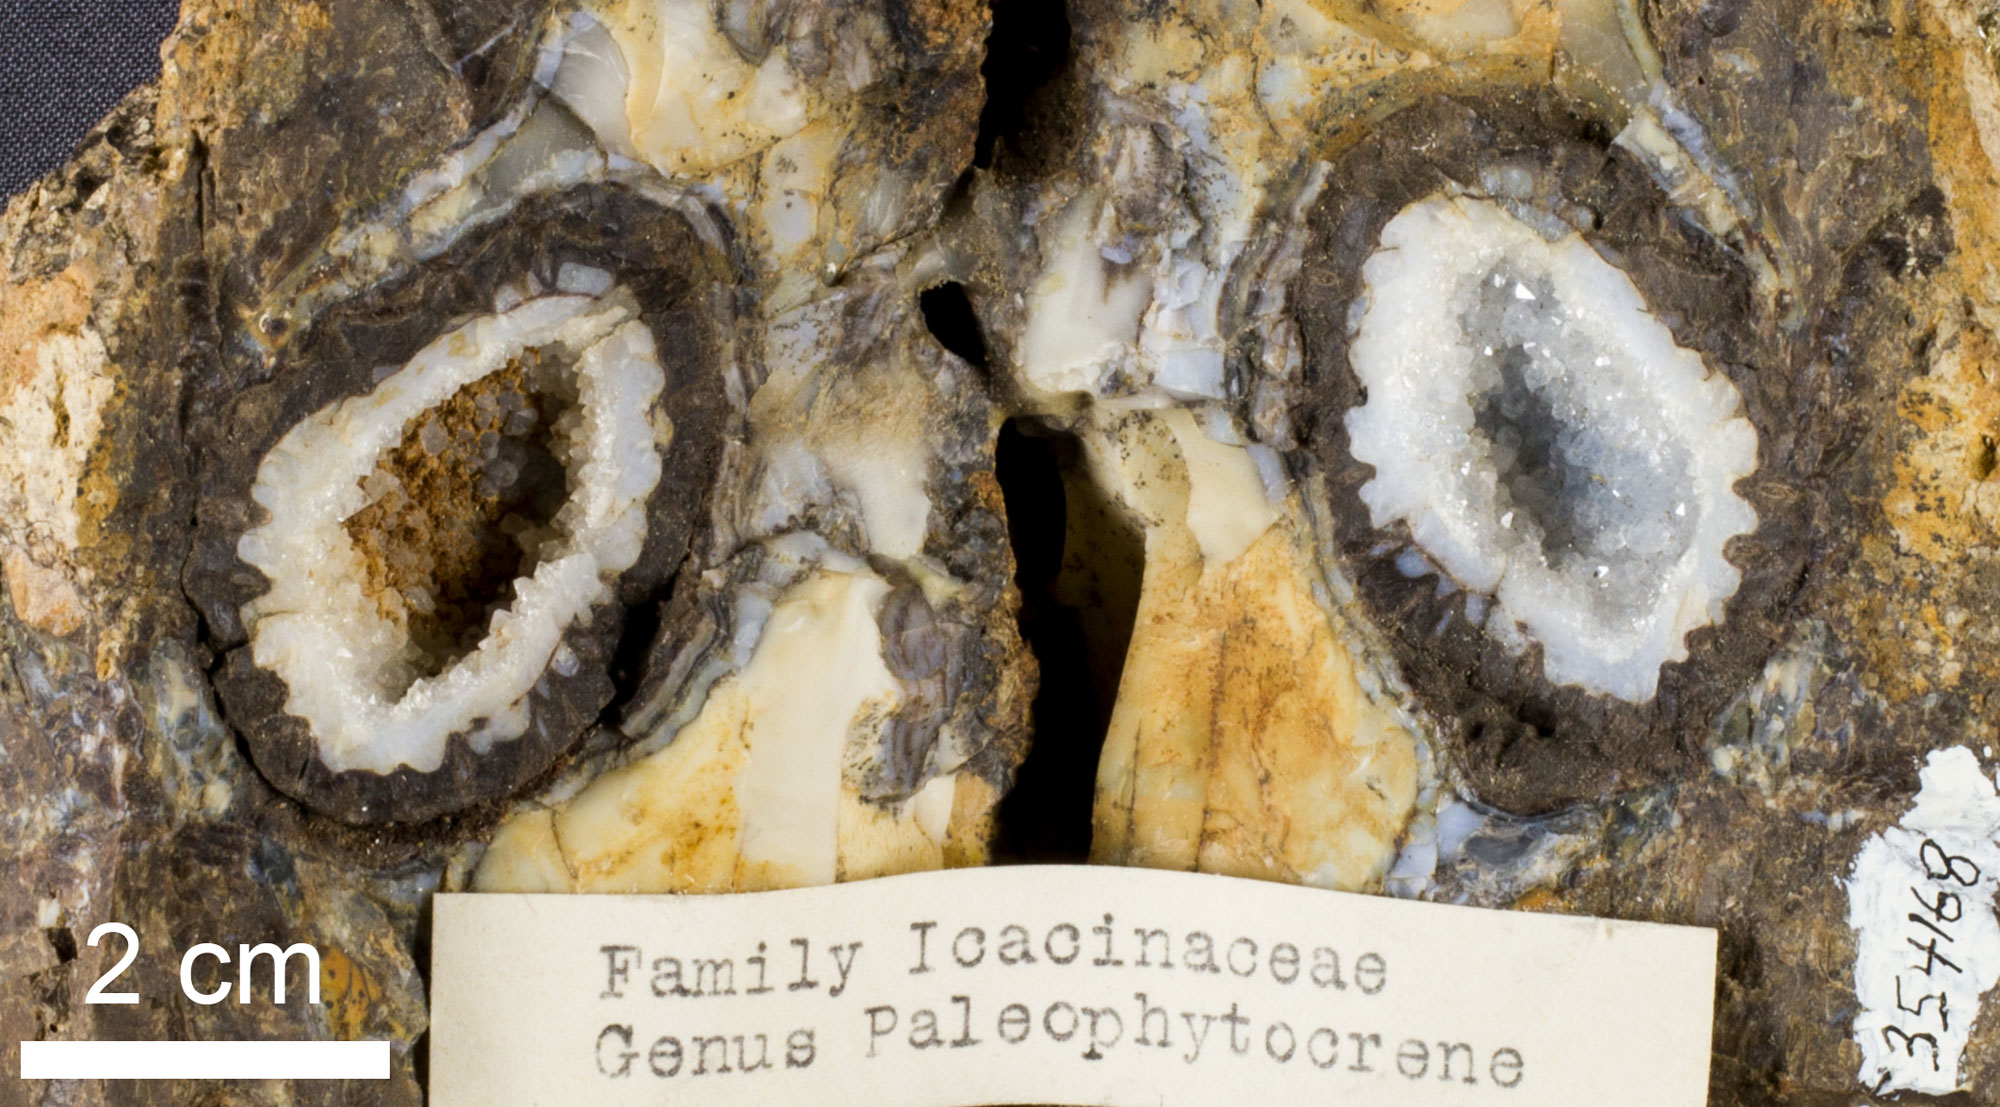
[[1927, 944]]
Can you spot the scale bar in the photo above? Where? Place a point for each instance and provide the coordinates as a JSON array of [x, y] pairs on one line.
[[204, 1060]]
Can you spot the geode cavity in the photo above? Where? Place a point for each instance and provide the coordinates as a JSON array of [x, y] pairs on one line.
[[1629, 626], [419, 536]]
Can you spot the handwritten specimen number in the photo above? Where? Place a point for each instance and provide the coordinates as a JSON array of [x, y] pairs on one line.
[[1931, 856], [1944, 1019], [1937, 909], [1932, 958], [1931, 931], [1891, 1033]]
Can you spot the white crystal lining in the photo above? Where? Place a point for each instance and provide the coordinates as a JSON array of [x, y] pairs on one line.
[[1659, 440], [347, 668]]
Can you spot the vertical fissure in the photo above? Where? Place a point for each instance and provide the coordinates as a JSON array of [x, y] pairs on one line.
[[1027, 49], [1077, 565]]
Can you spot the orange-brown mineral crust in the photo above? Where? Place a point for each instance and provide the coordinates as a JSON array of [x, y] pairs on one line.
[[461, 509], [1005, 368]]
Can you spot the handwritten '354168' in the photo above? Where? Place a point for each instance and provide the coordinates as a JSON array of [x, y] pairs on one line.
[[1939, 906]]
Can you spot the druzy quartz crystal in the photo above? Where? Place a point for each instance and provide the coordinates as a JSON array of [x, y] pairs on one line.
[[346, 646], [1547, 443], [1530, 455], [421, 540]]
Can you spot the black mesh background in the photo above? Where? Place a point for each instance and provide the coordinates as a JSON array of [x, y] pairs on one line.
[[63, 64]]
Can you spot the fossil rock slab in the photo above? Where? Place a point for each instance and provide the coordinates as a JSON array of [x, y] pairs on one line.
[[620, 407]]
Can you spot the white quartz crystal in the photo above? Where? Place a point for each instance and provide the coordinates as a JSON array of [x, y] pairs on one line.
[[1547, 443], [351, 670], [660, 83]]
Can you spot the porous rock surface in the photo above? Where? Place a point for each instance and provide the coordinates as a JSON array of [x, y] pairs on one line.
[[1159, 236]]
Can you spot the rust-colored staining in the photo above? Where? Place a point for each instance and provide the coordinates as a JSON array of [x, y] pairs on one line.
[[1950, 61], [1919, 639], [1543, 900], [636, 829], [460, 510], [969, 835], [38, 310], [362, 977], [1243, 736], [350, 994], [1945, 499], [1294, 736], [1919, 616], [53, 390]]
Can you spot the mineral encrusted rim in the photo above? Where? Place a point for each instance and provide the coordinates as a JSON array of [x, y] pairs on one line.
[[340, 659], [1416, 429]]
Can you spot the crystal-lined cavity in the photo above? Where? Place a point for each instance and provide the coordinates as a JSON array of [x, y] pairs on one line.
[[1547, 443], [430, 542]]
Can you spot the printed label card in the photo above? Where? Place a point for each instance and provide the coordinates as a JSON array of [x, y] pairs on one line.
[[1059, 985]]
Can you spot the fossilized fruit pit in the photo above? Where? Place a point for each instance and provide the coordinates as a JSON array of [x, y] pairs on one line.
[[1546, 444], [1544, 401], [419, 536]]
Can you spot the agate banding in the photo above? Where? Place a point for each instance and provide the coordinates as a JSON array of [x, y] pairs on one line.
[[419, 550], [1547, 443], [1575, 564], [341, 640]]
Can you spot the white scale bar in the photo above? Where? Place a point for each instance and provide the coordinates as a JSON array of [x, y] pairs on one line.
[[204, 1060]]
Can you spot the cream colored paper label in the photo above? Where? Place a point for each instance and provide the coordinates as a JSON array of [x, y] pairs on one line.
[[1058, 985]]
